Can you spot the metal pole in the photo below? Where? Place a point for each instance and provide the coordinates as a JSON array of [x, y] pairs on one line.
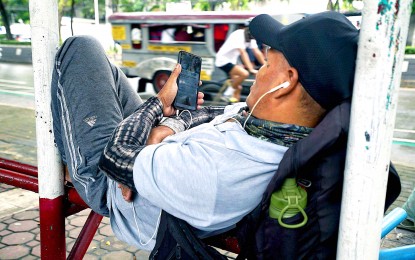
[[85, 237], [45, 42], [96, 12], [377, 79], [108, 10]]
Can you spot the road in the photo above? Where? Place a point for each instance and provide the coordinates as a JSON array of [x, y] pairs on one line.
[[16, 89], [16, 85], [403, 148]]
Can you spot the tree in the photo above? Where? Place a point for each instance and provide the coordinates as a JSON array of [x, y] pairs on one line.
[[5, 18], [409, 39], [61, 6], [238, 4], [18, 9], [411, 29], [333, 6], [130, 5], [208, 5]]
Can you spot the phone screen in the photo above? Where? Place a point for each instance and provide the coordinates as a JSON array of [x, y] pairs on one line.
[[188, 81]]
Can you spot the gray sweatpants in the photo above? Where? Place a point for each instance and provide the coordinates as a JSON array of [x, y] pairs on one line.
[[90, 96]]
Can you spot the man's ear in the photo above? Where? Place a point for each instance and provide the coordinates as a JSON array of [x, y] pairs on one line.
[[293, 75], [292, 79]]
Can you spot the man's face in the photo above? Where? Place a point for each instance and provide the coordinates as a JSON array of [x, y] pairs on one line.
[[271, 74]]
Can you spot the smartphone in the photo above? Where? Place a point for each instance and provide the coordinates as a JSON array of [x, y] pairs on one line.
[[188, 81]]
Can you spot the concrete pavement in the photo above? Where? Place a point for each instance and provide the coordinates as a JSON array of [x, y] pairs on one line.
[[19, 209], [19, 213], [20, 237]]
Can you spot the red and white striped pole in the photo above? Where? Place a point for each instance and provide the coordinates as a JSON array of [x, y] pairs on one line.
[[378, 73], [45, 42]]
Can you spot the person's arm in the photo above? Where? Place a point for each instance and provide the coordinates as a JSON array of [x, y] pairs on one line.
[[171, 126], [127, 140], [130, 136], [259, 56], [246, 61], [188, 119]]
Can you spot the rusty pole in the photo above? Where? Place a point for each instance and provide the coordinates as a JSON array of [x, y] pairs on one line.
[[378, 72], [45, 42]]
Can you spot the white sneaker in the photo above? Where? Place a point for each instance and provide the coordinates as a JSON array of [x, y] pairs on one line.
[[229, 92]]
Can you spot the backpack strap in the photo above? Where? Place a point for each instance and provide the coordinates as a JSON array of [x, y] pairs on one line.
[[176, 240], [163, 240], [245, 233], [334, 128]]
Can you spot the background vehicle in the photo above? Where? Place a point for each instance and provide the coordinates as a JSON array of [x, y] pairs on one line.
[[148, 54]]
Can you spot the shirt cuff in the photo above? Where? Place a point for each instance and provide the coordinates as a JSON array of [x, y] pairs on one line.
[[174, 124]]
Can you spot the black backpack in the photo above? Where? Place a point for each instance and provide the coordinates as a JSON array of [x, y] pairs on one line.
[[319, 159]]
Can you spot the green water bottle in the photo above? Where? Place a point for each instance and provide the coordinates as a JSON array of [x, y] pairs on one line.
[[287, 202]]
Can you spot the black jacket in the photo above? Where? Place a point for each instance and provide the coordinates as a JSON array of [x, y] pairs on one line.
[[320, 159]]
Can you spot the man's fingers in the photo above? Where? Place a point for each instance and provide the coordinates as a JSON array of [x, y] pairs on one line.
[[126, 192], [200, 95], [177, 69], [200, 99], [169, 91], [175, 73]]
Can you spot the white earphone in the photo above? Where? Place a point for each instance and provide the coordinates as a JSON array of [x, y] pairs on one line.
[[283, 85], [280, 86]]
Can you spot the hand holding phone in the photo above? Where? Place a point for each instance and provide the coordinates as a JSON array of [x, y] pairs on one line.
[[188, 81]]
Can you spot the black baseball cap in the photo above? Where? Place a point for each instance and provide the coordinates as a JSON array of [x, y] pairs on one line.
[[322, 47]]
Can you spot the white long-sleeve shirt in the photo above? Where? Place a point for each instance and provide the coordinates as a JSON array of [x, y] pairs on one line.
[[210, 176]]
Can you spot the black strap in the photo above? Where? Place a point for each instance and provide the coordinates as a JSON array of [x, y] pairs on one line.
[[161, 232], [175, 235], [246, 230], [192, 244]]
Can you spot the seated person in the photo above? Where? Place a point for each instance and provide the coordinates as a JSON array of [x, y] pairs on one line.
[[255, 63], [198, 34], [233, 49], [167, 35], [181, 34], [210, 166]]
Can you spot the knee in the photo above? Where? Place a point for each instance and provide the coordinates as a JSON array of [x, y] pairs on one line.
[[83, 45], [245, 74], [86, 40], [80, 40]]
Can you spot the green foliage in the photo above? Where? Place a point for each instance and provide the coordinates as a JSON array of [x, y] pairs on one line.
[[348, 6], [3, 40], [208, 5], [160, 5], [13, 42], [157, 8], [140, 6], [203, 5], [17, 9], [409, 50], [85, 8], [239, 4], [130, 5]]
